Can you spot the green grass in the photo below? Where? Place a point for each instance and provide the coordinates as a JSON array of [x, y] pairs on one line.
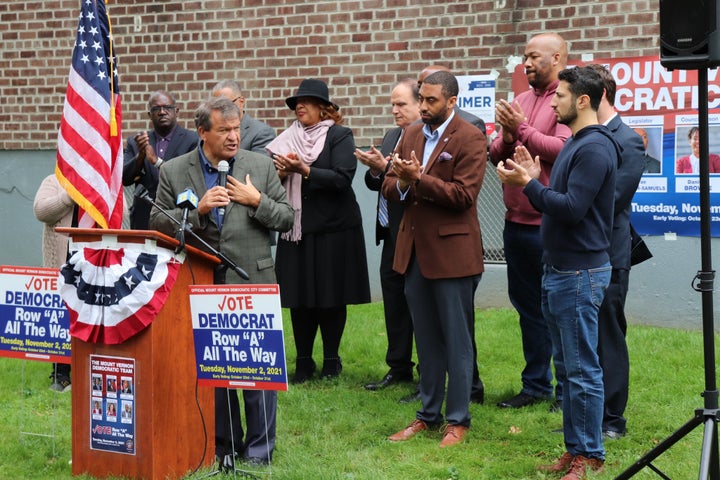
[[337, 430]]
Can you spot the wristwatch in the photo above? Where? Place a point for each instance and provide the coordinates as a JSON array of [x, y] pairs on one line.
[[159, 162]]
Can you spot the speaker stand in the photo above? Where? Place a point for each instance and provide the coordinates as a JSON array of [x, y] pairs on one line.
[[703, 283]]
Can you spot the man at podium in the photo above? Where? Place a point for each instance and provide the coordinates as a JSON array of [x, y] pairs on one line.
[[235, 218]]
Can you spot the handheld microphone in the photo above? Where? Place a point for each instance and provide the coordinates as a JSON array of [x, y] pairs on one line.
[[187, 200], [223, 168], [226, 261]]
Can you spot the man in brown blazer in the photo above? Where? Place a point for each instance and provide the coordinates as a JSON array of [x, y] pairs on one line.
[[437, 173]]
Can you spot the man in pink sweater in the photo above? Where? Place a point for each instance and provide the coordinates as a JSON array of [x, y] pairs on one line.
[[531, 122]]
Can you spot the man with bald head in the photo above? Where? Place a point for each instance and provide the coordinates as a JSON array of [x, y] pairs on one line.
[[254, 134], [530, 122], [652, 164]]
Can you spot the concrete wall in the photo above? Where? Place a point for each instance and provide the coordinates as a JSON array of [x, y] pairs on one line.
[[660, 289]]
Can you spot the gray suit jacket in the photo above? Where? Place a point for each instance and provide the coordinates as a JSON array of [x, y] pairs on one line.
[[244, 236], [255, 135]]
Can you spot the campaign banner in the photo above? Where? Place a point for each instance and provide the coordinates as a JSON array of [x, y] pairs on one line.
[[238, 334], [34, 319], [477, 96], [663, 105], [112, 404]]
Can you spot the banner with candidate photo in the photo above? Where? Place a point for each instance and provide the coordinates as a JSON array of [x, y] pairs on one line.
[[661, 106]]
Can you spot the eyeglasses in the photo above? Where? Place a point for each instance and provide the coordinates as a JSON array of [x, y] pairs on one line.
[[237, 98], [167, 108]]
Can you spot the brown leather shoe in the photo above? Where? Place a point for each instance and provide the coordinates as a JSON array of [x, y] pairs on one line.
[[408, 432], [581, 465], [454, 434], [561, 465]]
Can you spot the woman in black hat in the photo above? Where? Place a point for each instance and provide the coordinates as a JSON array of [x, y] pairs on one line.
[[321, 263]]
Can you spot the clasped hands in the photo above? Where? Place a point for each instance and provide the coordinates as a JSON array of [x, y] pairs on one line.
[[145, 150], [407, 171], [509, 117], [290, 163], [233, 191], [374, 159], [520, 169]]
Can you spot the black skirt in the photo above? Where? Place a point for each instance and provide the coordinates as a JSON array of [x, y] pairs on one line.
[[323, 270]]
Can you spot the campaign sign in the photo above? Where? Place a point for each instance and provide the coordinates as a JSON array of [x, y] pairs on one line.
[[238, 336], [112, 404], [661, 105], [35, 324], [477, 96]]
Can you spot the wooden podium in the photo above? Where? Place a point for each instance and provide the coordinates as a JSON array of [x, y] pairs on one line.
[[174, 422]]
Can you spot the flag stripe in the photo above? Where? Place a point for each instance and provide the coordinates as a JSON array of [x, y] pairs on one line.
[[89, 156]]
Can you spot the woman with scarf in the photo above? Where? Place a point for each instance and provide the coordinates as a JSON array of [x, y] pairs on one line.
[[321, 263]]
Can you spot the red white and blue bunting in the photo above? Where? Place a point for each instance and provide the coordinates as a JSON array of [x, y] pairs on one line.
[[114, 292]]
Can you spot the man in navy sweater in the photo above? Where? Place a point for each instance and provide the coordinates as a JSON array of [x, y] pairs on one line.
[[612, 324], [576, 228]]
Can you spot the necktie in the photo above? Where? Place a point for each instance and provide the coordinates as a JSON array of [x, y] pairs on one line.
[[383, 211], [383, 218]]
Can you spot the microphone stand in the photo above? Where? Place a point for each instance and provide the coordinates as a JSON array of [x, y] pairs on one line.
[[227, 262], [181, 231]]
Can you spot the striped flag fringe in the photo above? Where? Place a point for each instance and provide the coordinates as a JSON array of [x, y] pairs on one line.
[[89, 153]]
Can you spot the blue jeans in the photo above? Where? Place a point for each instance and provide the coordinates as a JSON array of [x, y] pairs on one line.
[[523, 252], [570, 302]]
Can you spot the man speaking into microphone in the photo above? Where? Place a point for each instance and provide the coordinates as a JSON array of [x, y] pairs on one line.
[[254, 203]]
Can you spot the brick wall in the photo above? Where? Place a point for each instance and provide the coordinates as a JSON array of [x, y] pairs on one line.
[[360, 47]]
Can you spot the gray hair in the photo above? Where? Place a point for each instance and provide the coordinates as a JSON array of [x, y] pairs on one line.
[[231, 84], [412, 84], [223, 105]]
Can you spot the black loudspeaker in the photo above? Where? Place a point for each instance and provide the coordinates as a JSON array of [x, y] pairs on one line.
[[689, 37]]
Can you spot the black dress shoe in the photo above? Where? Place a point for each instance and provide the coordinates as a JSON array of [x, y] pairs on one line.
[[478, 397], [226, 463], [412, 398], [387, 380], [520, 400]]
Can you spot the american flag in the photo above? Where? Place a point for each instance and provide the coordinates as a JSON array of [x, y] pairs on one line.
[[89, 154]]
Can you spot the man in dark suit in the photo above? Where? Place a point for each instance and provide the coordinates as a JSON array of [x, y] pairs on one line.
[[398, 323], [612, 324], [254, 134], [437, 173], [146, 151], [652, 164], [255, 203]]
